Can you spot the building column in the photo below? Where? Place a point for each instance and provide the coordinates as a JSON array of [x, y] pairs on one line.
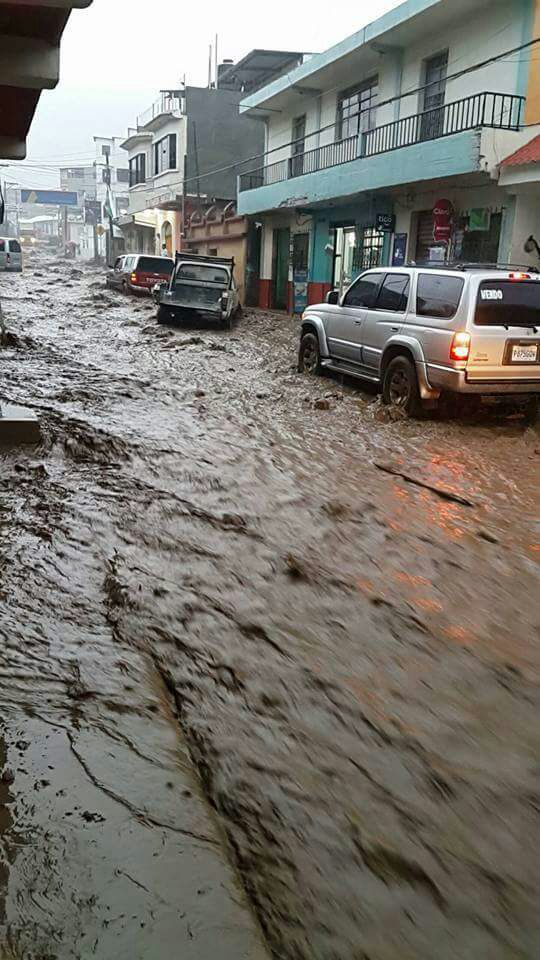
[[265, 280]]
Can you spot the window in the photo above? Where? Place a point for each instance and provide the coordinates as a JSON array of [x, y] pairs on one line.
[[213, 252], [371, 250], [434, 93], [137, 169], [122, 176], [298, 146], [165, 154], [202, 272], [76, 172], [394, 293], [356, 109], [14, 246], [155, 265], [364, 291], [515, 303], [2, 246], [105, 150], [438, 296]]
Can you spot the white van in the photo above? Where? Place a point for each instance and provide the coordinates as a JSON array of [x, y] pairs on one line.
[[10, 255]]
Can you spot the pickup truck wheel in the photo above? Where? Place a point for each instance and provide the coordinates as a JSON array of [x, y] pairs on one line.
[[163, 314], [400, 386], [309, 357]]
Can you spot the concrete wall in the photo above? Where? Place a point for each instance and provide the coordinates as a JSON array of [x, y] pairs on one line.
[[526, 222], [218, 136], [229, 239]]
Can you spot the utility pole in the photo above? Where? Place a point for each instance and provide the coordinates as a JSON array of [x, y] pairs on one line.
[[109, 210]]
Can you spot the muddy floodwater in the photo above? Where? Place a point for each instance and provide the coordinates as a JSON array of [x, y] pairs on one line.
[[269, 658]]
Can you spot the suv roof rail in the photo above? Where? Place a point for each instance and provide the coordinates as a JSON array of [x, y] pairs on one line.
[[460, 265]]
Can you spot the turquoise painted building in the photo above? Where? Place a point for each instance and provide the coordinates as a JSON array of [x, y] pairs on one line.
[[364, 140]]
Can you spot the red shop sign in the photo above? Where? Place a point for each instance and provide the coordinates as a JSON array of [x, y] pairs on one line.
[[442, 221]]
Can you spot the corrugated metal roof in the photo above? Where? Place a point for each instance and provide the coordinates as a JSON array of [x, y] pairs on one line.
[[530, 153]]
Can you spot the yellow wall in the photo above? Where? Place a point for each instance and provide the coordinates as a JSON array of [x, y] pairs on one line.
[[532, 109], [229, 239]]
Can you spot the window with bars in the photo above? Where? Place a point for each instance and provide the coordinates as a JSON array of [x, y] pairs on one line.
[[357, 109], [371, 248], [165, 154], [137, 169]]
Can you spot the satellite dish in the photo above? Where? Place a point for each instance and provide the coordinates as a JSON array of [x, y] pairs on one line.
[[329, 249]]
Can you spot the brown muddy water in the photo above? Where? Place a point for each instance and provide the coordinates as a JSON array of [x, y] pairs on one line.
[[251, 684]]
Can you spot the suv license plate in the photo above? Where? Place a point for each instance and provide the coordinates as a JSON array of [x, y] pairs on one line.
[[524, 353]]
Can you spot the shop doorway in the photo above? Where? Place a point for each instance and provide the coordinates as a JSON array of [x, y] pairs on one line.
[[425, 225], [280, 268], [167, 238], [482, 246], [345, 258]]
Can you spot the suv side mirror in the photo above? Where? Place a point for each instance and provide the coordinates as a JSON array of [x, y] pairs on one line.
[[333, 297]]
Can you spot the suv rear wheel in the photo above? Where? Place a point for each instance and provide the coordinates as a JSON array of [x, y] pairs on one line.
[[400, 386], [309, 357]]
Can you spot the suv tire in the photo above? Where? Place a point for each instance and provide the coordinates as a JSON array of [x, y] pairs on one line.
[[309, 356], [400, 386]]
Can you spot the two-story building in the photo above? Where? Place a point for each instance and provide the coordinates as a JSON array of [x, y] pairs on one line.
[[175, 154], [183, 161], [387, 147]]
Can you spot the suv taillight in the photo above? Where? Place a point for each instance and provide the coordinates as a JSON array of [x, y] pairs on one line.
[[461, 345], [134, 277]]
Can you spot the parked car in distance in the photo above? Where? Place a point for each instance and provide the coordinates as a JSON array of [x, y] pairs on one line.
[[138, 272], [200, 287], [10, 255], [422, 333]]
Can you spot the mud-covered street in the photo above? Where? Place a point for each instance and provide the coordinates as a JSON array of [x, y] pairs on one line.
[[269, 657]]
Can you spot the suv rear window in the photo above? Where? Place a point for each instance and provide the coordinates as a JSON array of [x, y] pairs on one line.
[[512, 303], [14, 246], [438, 296], [155, 265]]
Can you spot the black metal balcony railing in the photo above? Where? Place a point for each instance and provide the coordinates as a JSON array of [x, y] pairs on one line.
[[500, 111]]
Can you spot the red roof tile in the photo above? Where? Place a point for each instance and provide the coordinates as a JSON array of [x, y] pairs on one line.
[[530, 153]]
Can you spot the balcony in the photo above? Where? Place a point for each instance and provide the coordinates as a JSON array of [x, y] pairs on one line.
[[169, 104], [417, 138]]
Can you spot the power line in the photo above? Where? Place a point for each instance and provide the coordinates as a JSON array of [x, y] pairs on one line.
[[454, 76], [44, 168]]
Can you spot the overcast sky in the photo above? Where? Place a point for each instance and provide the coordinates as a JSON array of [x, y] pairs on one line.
[[118, 54]]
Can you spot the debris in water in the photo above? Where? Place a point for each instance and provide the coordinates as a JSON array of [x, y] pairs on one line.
[[439, 491]]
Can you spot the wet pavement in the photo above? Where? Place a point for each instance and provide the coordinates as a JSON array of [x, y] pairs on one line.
[[268, 656]]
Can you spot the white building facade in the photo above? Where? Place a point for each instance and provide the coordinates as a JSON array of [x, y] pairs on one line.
[[156, 148]]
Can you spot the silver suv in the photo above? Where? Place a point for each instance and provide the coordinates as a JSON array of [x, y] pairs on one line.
[[420, 333]]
